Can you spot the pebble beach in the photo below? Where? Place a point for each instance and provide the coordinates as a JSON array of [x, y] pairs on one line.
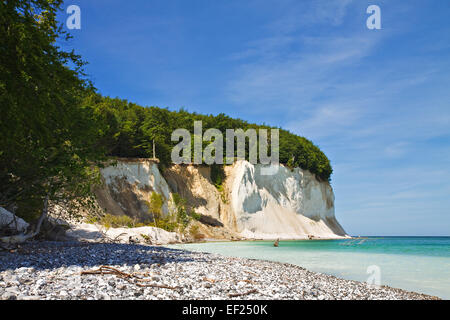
[[111, 271]]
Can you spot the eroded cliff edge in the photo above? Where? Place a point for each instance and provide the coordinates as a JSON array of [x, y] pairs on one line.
[[290, 204]]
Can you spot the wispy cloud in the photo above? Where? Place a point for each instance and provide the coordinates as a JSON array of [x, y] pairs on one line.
[[310, 13], [293, 79]]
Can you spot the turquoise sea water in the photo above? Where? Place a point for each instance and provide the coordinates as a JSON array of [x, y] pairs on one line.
[[420, 264]]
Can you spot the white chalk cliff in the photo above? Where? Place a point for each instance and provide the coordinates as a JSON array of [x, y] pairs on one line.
[[286, 205], [128, 185], [290, 204]]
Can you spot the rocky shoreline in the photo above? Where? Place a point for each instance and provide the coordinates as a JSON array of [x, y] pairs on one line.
[[73, 271]]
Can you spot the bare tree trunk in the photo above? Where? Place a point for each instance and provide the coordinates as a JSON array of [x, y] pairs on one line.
[[20, 238]]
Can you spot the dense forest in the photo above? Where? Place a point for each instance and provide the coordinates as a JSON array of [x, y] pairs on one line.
[[128, 130], [56, 129]]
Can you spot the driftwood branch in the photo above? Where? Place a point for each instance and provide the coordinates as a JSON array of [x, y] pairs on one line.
[[127, 276], [140, 282], [234, 295]]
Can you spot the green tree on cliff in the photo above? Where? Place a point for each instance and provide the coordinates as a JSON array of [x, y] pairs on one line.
[[155, 207]]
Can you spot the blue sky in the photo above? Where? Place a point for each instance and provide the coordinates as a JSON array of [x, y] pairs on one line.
[[377, 102]]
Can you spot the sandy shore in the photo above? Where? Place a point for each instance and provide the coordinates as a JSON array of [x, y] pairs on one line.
[[71, 270]]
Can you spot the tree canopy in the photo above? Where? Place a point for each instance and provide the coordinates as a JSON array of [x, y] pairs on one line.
[[129, 129], [48, 138]]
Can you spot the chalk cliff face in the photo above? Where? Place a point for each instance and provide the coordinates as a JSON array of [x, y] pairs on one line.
[[290, 204], [128, 187]]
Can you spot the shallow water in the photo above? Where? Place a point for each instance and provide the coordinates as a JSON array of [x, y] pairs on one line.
[[420, 264]]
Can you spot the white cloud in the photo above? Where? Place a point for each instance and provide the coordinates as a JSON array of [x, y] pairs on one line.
[[397, 149], [293, 79], [310, 13]]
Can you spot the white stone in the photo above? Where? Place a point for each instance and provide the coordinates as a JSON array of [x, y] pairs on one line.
[[92, 232], [9, 220]]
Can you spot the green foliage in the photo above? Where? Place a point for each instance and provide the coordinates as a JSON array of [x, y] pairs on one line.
[[155, 206], [111, 221], [183, 219], [91, 219], [218, 178], [29, 209], [178, 200], [175, 221], [49, 140], [196, 216], [290, 164], [217, 175], [182, 216], [128, 130], [168, 224]]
